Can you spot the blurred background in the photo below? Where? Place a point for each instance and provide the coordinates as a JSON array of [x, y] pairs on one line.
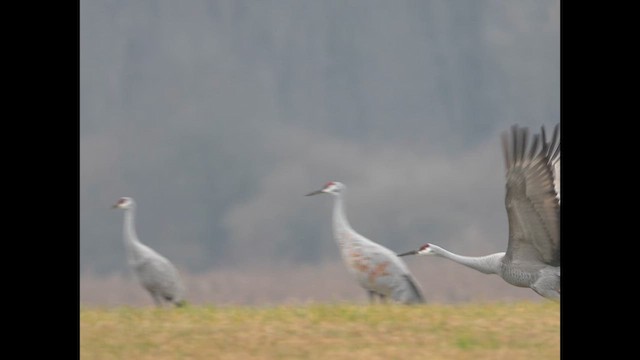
[[218, 116]]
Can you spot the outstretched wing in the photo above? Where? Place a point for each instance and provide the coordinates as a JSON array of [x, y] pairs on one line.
[[531, 199]]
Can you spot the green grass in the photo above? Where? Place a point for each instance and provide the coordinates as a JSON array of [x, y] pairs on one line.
[[512, 331]]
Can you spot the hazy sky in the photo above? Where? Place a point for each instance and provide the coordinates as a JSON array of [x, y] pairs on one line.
[[218, 116]]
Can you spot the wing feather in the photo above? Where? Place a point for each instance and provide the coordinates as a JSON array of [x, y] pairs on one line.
[[531, 199]]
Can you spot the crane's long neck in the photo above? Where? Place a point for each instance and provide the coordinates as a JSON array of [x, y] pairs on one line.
[[340, 221], [489, 264], [341, 226], [130, 237]]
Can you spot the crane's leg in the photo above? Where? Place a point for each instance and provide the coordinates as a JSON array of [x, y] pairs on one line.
[[177, 303]]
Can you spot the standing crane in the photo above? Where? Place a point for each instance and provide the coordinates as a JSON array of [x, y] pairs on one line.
[[156, 274], [532, 201], [377, 269]]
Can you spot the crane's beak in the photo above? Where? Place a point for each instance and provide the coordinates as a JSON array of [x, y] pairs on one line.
[[315, 192], [412, 252], [114, 206]]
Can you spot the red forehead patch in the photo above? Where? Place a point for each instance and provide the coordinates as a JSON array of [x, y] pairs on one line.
[[329, 184], [424, 247]]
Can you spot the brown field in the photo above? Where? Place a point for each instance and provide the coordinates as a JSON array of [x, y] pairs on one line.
[[479, 330]]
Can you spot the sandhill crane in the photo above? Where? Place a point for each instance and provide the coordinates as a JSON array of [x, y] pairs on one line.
[[156, 274], [532, 258], [376, 268]]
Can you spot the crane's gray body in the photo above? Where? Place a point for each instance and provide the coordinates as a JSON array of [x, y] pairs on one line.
[[532, 202], [539, 277], [154, 272], [160, 278], [376, 268]]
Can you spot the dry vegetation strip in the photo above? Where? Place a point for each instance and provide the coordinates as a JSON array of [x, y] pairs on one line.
[[512, 331]]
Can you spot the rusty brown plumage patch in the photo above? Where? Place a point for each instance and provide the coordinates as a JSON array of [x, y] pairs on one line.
[[378, 271], [358, 261]]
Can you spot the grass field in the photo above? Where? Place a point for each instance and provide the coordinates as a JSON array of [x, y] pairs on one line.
[[521, 330]]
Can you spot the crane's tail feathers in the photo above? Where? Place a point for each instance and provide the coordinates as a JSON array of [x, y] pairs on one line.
[[181, 303], [417, 297]]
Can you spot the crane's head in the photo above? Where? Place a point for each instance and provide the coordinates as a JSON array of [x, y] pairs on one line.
[[423, 250], [332, 187], [124, 203]]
